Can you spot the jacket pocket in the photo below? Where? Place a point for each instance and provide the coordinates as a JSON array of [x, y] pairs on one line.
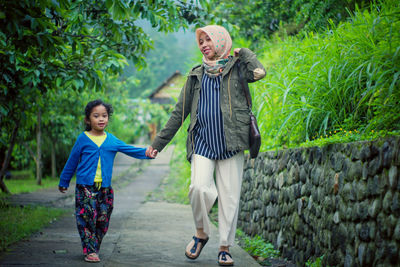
[[242, 128], [243, 116]]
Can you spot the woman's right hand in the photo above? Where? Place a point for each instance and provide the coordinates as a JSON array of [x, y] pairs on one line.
[[236, 52], [62, 189]]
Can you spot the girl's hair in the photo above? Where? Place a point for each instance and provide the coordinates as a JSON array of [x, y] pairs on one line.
[[89, 107]]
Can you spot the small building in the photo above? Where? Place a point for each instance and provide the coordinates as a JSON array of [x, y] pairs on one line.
[[169, 90]]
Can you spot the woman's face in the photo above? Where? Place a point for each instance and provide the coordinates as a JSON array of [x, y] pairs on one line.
[[206, 46]]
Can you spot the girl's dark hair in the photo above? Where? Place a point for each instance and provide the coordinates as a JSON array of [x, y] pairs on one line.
[[89, 107]]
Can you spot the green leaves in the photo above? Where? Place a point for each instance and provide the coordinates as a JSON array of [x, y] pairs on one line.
[[256, 246], [258, 20], [60, 47], [322, 83]]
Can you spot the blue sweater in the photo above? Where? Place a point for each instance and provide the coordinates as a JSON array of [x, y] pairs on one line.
[[84, 159]]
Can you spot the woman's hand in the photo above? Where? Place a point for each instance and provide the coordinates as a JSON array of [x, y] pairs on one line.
[[236, 52], [62, 189], [151, 152]]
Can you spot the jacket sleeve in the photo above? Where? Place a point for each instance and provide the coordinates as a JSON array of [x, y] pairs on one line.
[[252, 68], [178, 116], [135, 152], [71, 165]]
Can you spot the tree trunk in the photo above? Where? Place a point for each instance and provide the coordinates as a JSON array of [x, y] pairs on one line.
[[7, 159], [53, 159], [30, 151], [38, 149]]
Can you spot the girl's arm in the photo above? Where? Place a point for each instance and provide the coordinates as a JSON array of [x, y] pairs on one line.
[[70, 166], [135, 152], [251, 67]]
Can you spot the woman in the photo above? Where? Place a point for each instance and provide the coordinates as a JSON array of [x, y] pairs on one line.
[[217, 136]]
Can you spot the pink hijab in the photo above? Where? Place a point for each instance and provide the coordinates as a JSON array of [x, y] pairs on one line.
[[221, 39]]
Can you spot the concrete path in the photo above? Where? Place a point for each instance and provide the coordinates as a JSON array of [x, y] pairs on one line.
[[140, 234]]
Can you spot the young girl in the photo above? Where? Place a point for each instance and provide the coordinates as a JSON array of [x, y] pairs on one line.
[[92, 159], [217, 136]]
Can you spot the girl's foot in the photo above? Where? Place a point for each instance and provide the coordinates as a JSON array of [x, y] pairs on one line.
[[92, 257], [225, 258]]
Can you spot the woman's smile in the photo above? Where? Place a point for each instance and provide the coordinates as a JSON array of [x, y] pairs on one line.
[[206, 50]]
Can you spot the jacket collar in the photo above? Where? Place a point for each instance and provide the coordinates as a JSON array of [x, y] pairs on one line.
[[229, 65]]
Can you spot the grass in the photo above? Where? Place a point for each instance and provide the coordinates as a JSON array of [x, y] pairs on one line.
[[175, 187], [257, 247], [20, 222], [17, 186], [177, 183], [347, 136], [346, 77]]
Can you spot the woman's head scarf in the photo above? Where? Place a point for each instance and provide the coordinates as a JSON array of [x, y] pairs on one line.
[[222, 43]]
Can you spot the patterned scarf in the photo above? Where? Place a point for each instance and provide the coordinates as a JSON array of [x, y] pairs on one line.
[[222, 46]]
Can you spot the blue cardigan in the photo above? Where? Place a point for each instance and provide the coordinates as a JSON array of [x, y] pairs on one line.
[[84, 159]]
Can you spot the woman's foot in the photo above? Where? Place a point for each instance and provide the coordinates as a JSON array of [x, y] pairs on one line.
[[225, 258], [92, 257], [194, 248]]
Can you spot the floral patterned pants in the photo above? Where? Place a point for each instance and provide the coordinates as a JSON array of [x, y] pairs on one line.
[[93, 208]]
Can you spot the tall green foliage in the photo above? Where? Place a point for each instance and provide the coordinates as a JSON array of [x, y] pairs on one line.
[[347, 79], [259, 19]]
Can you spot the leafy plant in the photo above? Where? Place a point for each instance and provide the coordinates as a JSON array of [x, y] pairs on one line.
[[257, 246], [258, 20], [344, 78], [316, 263]]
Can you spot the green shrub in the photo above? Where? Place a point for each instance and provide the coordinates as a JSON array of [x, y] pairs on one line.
[[346, 78], [316, 263]]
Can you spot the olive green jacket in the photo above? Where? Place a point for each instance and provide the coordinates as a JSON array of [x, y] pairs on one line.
[[234, 108]]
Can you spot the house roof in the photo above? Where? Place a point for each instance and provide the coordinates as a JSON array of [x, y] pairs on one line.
[[158, 92]]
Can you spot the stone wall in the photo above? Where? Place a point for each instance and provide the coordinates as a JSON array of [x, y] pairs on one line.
[[341, 201]]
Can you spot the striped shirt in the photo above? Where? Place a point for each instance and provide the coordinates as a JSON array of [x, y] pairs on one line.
[[209, 137]]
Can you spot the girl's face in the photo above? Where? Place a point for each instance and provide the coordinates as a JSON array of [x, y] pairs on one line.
[[206, 46], [98, 119]]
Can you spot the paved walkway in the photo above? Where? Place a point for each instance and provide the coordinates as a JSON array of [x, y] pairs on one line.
[[141, 233]]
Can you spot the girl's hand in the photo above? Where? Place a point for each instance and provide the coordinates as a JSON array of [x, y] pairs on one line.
[[154, 153], [151, 152], [236, 52], [62, 189]]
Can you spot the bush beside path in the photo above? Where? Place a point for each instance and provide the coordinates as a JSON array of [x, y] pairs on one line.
[[141, 233]]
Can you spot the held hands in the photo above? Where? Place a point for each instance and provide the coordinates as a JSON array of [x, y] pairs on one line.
[[151, 152], [62, 189], [236, 52]]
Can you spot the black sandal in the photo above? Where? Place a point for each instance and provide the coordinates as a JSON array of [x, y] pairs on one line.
[[197, 240], [222, 261]]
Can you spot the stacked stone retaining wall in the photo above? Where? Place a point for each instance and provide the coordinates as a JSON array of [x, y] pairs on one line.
[[341, 201]]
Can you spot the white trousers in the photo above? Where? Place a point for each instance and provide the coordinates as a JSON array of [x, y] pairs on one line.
[[203, 191]]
